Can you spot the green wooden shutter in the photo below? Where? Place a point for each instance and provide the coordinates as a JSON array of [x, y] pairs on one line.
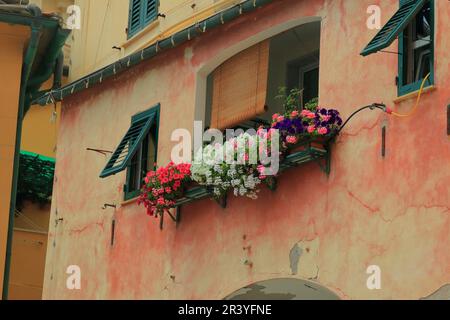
[[151, 10], [394, 26], [141, 13], [135, 17], [140, 126]]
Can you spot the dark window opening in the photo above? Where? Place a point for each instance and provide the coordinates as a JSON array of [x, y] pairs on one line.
[[303, 74], [142, 162], [293, 64]]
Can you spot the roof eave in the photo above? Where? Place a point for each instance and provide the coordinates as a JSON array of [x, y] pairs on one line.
[[149, 52]]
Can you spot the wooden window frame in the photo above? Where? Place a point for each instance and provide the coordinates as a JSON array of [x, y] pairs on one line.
[[406, 49]]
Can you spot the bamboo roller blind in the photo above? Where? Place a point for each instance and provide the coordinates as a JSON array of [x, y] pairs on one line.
[[240, 87]]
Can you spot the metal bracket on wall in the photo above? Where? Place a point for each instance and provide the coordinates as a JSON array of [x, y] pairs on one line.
[[222, 202], [174, 218], [324, 162], [103, 152], [272, 183], [178, 215], [57, 221]]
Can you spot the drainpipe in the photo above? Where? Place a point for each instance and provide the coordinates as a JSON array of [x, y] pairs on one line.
[[58, 73], [26, 70], [47, 66], [51, 63], [57, 80]]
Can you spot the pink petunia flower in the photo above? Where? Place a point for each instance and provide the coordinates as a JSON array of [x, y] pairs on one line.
[[261, 168], [305, 112], [291, 139]]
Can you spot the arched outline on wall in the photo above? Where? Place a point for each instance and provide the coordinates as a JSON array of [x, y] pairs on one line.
[[223, 55], [283, 289]]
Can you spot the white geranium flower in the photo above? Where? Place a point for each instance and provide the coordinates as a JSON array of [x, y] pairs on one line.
[[208, 169]]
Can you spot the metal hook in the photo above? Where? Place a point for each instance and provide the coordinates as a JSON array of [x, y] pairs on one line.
[[106, 205]]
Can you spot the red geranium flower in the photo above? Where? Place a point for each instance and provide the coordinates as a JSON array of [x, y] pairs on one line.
[[163, 187]]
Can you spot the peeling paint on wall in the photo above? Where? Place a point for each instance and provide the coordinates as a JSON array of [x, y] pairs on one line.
[[442, 293], [294, 258], [304, 259]]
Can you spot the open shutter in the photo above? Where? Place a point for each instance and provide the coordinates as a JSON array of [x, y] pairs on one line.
[[240, 87], [120, 159], [391, 30], [151, 10], [135, 17]]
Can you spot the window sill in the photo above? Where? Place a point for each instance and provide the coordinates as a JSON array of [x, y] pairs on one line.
[[138, 36], [129, 201], [414, 94]]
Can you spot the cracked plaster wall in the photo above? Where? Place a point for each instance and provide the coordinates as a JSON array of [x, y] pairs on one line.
[[391, 212]]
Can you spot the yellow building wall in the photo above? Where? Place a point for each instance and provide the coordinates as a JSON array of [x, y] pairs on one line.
[[40, 124], [13, 40], [28, 252], [27, 265], [104, 25], [34, 217], [39, 130]]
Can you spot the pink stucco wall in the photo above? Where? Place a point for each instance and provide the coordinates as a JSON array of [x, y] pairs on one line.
[[391, 212]]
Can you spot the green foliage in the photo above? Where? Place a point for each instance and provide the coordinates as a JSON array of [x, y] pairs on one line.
[[312, 104], [291, 99], [35, 181]]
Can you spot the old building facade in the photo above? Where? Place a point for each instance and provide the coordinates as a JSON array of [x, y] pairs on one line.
[[385, 201]]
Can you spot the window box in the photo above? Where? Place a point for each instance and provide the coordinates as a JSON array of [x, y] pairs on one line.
[[319, 143], [315, 150]]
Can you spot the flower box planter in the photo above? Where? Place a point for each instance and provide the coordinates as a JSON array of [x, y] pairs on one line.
[[271, 183], [162, 188], [319, 143], [192, 191], [221, 200], [304, 137], [190, 186]]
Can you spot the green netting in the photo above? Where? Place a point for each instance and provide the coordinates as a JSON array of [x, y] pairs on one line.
[[35, 181]]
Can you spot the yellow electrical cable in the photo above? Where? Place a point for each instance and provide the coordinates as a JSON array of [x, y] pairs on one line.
[[417, 101]]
